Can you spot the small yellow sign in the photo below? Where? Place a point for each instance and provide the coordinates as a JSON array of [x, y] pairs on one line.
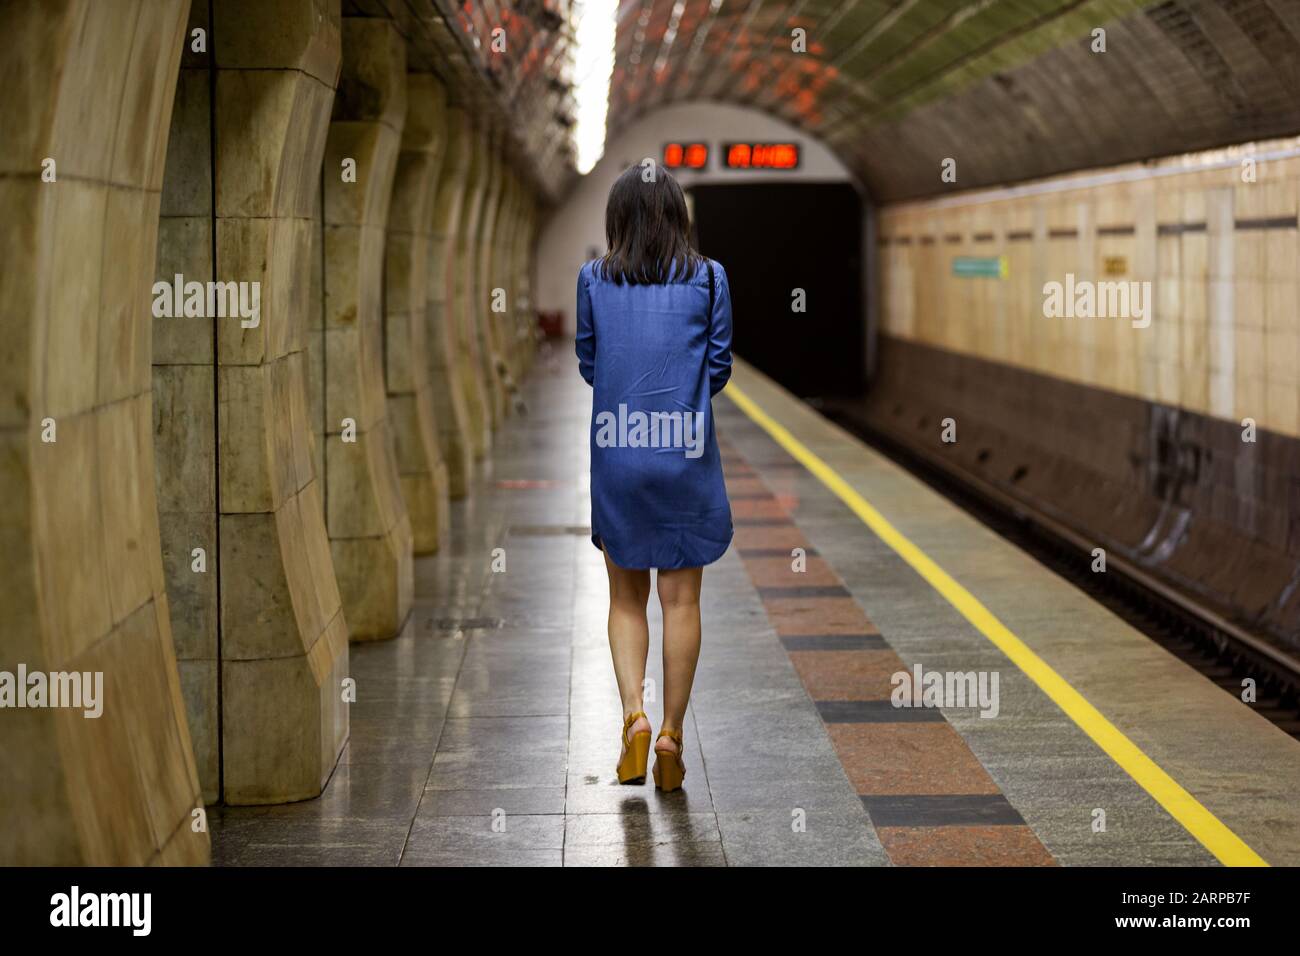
[[1115, 265]]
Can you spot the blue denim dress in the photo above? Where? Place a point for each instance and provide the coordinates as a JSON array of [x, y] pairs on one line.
[[655, 356]]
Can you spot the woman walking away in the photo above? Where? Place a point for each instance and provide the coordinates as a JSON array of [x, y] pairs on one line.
[[654, 342]]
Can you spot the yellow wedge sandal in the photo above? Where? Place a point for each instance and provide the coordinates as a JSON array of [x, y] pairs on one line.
[[670, 768], [631, 766]]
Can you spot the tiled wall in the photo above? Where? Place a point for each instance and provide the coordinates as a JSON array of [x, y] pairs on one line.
[[1128, 430], [1220, 255]]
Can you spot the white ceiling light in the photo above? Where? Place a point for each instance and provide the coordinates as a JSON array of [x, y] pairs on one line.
[[593, 66]]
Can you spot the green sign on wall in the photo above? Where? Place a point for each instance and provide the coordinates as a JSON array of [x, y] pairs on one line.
[[973, 267]]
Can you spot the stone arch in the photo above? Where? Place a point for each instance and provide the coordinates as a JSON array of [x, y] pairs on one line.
[[510, 247], [408, 261], [522, 263], [261, 637], [485, 339], [500, 277], [88, 86], [465, 272], [369, 528], [450, 391]]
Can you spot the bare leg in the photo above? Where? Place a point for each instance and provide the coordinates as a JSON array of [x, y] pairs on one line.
[[629, 637], [679, 596]]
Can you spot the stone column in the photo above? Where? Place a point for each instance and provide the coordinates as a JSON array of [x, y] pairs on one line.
[[411, 405], [524, 259], [186, 393], [184, 409], [369, 528], [88, 90], [498, 277], [488, 352], [512, 321], [509, 239], [464, 269], [283, 647], [450, 391], [503, 270]]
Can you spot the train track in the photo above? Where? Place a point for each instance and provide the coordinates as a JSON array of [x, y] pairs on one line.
[[1219, 649]]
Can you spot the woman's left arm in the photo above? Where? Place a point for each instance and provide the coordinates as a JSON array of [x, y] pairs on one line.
[[720, 332], [585, 344]]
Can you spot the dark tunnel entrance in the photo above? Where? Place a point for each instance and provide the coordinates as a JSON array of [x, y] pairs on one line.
[[777, 238]]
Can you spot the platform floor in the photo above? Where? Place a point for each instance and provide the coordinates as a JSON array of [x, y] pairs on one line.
[[487, 733]]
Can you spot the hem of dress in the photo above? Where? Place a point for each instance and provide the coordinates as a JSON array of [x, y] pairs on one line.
[[599, 545]]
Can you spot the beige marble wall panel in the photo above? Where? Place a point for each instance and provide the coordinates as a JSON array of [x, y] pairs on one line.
[[483, 288], [411, 404], [184, 410], [1217, 254], [369, 527], [283, 629], [451, 393], [524, 263], [89, 86], [503, 323], [464, 272], [519, 246]]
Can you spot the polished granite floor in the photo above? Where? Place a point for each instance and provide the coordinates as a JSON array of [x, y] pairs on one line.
[[487, 733]]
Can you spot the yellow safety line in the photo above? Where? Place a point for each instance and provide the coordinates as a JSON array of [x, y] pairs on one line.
[[1230, 849]]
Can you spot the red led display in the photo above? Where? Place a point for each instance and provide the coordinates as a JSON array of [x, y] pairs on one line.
[[686, 155], [761, 155]]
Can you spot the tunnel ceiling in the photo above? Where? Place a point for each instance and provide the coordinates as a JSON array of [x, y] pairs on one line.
[[521, 93], [1011, 90]]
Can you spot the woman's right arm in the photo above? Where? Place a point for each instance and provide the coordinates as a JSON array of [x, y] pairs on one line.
[[586, 338], [720, 332]]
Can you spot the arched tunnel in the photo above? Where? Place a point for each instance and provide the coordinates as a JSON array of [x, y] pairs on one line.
[[300, 478]]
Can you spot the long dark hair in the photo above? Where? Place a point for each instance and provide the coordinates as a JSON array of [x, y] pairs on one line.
[[647, 228]]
